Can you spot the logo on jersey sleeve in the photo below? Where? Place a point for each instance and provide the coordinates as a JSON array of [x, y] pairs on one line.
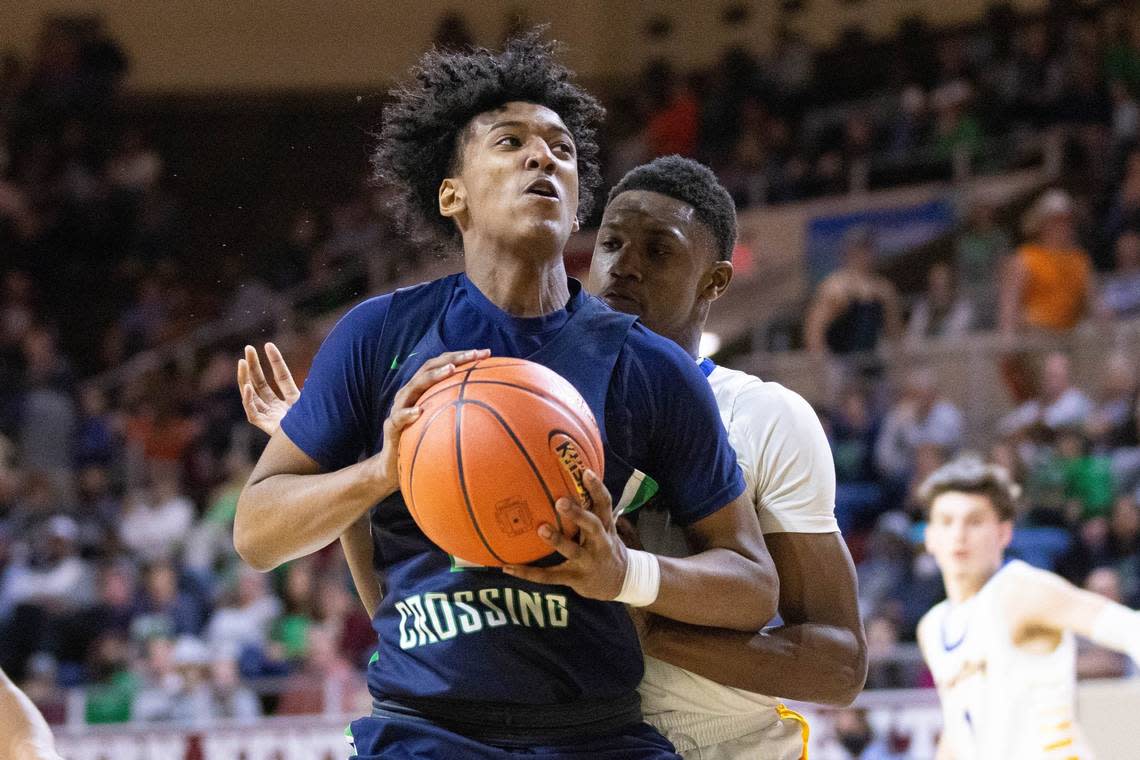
[[639, 489]]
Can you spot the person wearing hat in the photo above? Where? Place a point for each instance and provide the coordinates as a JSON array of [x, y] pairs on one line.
[[1047, 284]]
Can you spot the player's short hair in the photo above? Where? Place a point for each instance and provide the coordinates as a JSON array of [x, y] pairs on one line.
[[970, 474], [422, 135], [693, 183]]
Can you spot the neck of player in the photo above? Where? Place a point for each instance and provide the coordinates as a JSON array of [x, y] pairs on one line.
[[962, 588], [521, 285]]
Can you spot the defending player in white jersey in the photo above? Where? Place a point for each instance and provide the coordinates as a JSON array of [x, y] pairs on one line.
[[1001, 646], [663, 252]]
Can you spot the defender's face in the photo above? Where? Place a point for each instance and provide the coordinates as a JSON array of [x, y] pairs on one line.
[[651, 258], [519, 173], [966, 535]]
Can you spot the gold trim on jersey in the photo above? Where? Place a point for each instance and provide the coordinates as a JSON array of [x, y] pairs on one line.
[[805, 729]]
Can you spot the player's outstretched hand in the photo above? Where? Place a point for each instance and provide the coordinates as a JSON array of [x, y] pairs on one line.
[[596, 559], [405, 411], [265, 407]]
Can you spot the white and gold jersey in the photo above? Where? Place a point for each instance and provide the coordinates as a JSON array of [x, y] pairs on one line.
[[1000, 701], [790, 479]]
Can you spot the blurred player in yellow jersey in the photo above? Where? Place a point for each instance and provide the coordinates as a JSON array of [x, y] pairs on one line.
[[1001, 646], [24, 734]]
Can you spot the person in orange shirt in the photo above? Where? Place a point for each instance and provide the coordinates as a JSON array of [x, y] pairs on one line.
[[1048, 282]]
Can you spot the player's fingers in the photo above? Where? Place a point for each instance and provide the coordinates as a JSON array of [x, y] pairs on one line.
[[589, 525], [601, 505], [242, 375], [559, 541], [454, 357], [256, 376], [401, 419], [420, 382], [281, 373], [255, 409]]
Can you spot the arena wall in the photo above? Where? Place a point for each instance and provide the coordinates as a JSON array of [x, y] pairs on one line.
[[293, 45]]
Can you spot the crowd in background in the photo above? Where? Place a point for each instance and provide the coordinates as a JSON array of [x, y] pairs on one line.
[[117, 571]]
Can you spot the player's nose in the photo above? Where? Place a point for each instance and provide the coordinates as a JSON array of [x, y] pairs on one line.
[[540, 157]]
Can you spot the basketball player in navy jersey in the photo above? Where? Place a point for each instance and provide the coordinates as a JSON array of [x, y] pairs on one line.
[[487, 150], [663, 252]]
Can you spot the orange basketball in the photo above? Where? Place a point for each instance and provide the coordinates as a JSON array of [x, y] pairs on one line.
[[498, 443]]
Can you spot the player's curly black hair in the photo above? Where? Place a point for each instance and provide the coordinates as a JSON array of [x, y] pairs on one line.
[[693, 183], [421, 137]]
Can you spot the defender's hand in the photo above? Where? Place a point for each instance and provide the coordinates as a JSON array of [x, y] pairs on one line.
[[264, 407], [595, 559]]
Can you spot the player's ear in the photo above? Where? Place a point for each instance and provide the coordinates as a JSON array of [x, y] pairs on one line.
[[1006, 533], [576, 225], [716, 280], [452, 197]]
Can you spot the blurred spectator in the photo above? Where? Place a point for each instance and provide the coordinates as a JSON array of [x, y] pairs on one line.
[[452, 32], [291, 629], [671, 126], [1047, 284], [50, 583], [95, 436], [1125, 116], [941, 312], [854, 734], [1094, 661], [243, 620], [1120, 292], [884, 671], [852, 429], [340, 611], [1112, 422], [325, 674], [165, 609], [176, 688], [1059, 405], [978, 253], [853, 308], [922, 417], [113, 684], [229, 699], [156, 520], [287, 263]]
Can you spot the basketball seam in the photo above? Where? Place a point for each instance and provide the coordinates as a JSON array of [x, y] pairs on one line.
[[526, 455], [459, 465], [408, 500]]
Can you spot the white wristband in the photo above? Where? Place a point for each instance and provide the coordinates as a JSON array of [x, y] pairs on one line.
[[1118, 627], [642, 579]]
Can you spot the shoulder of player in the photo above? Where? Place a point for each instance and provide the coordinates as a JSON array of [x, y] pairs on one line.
[[927, 623], [761, 401], [367, 317], [658, 358]]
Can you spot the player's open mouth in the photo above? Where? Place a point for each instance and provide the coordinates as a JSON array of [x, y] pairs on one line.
[[543, 188]]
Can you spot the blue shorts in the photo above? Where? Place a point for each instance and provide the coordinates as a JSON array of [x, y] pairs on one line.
[[416, 739]]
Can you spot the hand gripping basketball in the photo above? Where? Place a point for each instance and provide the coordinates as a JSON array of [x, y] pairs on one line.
[[596, 559], [405, 410]]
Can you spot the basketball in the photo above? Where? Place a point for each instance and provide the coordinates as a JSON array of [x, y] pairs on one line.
[[497, 444]]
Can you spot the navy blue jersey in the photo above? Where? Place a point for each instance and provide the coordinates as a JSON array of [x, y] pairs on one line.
[[450, 632]]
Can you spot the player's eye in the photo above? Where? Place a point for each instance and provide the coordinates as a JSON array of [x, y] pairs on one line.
[[611, 244], [564, 147], [509, 140]]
